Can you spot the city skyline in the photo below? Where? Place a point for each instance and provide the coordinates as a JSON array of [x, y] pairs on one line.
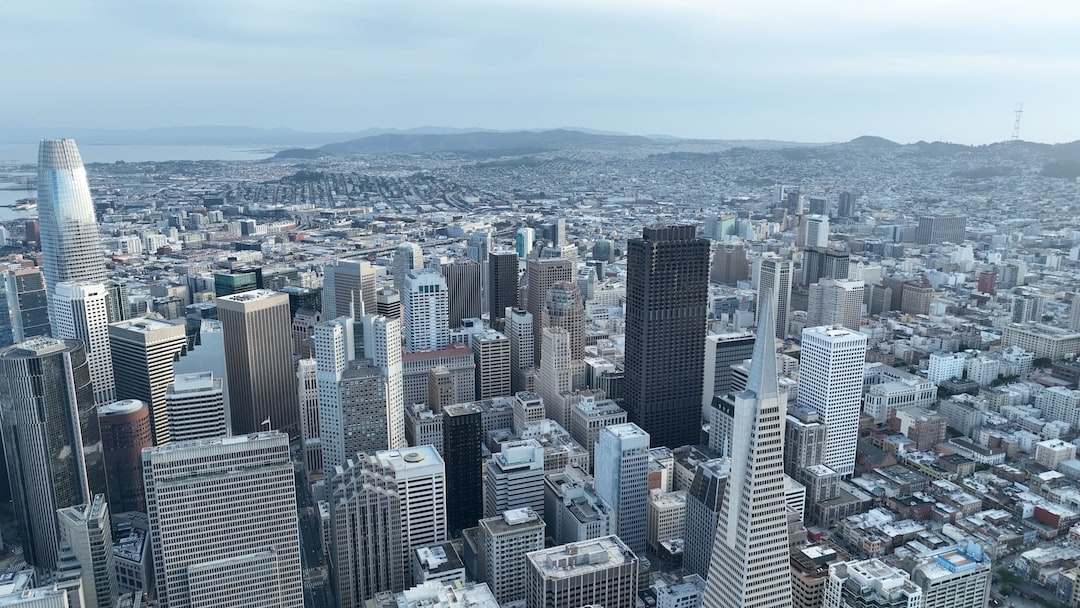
[[922, 71]]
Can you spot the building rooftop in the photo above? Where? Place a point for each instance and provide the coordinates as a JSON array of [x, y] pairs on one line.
[[125, 406], [194, 382], [144, 324], [582, 557], [254, 295]]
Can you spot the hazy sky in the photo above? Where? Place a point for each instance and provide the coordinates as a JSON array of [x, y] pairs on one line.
[[778, 69]]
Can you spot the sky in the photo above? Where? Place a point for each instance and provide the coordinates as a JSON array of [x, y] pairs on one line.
[[951, 70]]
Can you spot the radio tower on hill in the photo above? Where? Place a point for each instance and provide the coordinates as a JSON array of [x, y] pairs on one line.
[[1016, 123]]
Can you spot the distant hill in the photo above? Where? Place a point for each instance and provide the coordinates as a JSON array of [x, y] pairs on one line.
[[873, 141], [480, 141]]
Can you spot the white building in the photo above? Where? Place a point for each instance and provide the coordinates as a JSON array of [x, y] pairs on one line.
[[556, 373], [504, 541], [622, 476], [666, 516], [81, 313], [600, 572], [223, 522], [425, 305], [870, 583], [514, 478], [954, 578], [307, 386], [831, 382], [836, 302], [945, 366], [86, 528], [196, 406]]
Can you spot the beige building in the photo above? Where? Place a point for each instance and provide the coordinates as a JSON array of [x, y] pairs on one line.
[[600, 572]]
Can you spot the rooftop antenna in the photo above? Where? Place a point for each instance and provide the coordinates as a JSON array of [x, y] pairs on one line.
[[1016, 123]]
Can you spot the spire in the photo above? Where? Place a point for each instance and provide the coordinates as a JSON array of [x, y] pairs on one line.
[[762, 379]]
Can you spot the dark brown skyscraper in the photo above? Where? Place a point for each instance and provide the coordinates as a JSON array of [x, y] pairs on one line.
[[463, 288], [125, 431], [667, 292]]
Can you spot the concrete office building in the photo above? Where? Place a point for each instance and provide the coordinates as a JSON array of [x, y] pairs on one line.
[[589, 415], [504, 540], [81, 313], [622, 474], [870, 582], [565, 308], [307, 387], [223, 522], [774, 273], [51, 437], [348, 284], [196, 407], [836, 302], [491, 353], [519, 328], [144, 348], [749, 563], [703, 501], [259, 363], [556, 374], [541, 274], [426, 308], [721, 352], [462, 438], [935, 229], [573, 510], [598, 572], [87, 530], [514, 478], [667, 289], [407, 256], [831, 383]]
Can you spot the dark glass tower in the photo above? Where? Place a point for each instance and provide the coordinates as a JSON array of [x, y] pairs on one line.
[[502, 283], [667, 293], [462, 437], [463, 288], [51, 438]]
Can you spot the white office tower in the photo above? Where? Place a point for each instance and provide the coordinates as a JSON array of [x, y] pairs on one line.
[[749, 566], [407, 256], [196, 406], [870, 582], [87, 531], [954, 578], [144, 350], [307, 386], [519, 328], [491, 352], [514, 478], [774, 273], [556, 374], [831, 371], [815, 231], [381, 344], [223, 522], [600, 572], [70, 239], [836, 302], [348, 285], [81, 313], [384, 505], [334, 350], [622, 479], [425, 305], [504, 540]]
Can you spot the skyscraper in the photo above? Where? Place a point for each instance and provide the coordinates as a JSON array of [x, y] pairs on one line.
[[223, 522], [346, 285], [749, 567], [196, 406], [463, 433], [144, 349], [28, 303], [70, 240], [556, 375], [523, 241], [814, 231], [491, 351], [52, 442], [564, 307], [703, 501], [541, 274], [502, 284], [259, 366], [519, 328], [463, 289], [622, 479], [384, 505], [87, 529], [125, 431], [426, 308], [721, 352], [407, 256], [729, 265], [307, 387], [774, 273], [831, 372], [667, 293], [836, 302], [82, 314], [514, 478], [823, 263]]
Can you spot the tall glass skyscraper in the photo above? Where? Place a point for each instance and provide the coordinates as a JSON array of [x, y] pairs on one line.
[[70, 241], [667, 297]]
